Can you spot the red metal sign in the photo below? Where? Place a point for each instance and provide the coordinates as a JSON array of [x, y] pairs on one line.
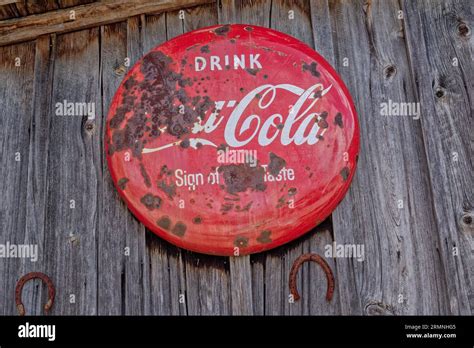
[[232, 139]]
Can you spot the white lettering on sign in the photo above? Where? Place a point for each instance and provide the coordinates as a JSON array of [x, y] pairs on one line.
[[182, 178], [190, 180], [268, 92], [239, 61], [298, 126]]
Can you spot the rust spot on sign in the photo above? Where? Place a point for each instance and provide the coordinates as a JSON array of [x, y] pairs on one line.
[[122, 183], [179, 229], [150, 201], [164, 222], [252, 71], [322, 123], [158, 106], [240, 177], [312, 68], [169, 189], [226, 207], [165, 171], [276, 164], [245, 208], [241, 242], [338, 120], [146, 177], [222, 30], [185, 143], [281, 202], [264, 237], [345, 173]]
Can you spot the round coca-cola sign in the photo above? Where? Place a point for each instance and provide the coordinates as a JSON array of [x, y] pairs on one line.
[[232, 139]]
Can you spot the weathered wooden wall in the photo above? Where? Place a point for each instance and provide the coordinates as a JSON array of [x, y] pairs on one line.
[[418, 256]]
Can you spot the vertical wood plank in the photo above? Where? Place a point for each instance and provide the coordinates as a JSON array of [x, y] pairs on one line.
[[241, 285], [207, 285], [200, 17], [155, 31], [37, 165], [40, 6], [254, 12], [174, 24], [70, 233], [323, 34], [137, 265], [115, 221], [257, 263], [437, 33], [16, 110], [391, 219]]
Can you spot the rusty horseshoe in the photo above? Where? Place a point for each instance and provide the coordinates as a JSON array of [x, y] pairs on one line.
[[320, 261], [19, 289]]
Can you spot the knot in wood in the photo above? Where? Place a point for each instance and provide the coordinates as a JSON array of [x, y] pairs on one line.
[[89, 126], [389, 71], [439, 93], [467, 221], [378, 308], [463, 30]]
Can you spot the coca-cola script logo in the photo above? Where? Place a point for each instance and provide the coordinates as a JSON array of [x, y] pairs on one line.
[[231, 140]]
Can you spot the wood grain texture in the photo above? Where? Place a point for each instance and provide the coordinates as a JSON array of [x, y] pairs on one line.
[[7, 2], [100, 253], [13, 10], [85, 16], [111, 221], [445, 91], [403, 272], [387, 219], [241, 285], [16, 110], [71, 3], [40, 6], [37, 161], [21, 8], [73, 169]]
